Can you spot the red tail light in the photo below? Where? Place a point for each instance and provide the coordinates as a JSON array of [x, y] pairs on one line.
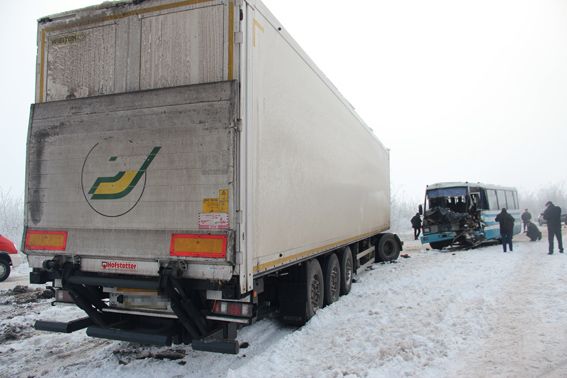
[[232, 308]]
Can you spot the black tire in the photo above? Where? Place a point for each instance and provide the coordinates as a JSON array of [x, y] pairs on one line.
[[4, 270], [332, 279], [347, 271], [440, 245], [388, 248], [315, 289]]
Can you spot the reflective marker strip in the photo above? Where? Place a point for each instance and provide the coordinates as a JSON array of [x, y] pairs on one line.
[[197, 245], [46, 240]]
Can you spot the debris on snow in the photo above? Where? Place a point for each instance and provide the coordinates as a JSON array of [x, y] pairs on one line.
[[126, 355], [24, 294]]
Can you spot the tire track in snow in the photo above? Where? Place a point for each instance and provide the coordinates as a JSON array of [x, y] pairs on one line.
[[528, 331], [407, 319]]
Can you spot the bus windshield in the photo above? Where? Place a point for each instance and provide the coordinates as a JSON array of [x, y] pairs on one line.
[[452, 198]]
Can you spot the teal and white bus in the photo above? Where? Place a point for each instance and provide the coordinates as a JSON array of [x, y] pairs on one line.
[[462, 213]]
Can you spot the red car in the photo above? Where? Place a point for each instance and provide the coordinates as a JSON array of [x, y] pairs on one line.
[[7, 248]]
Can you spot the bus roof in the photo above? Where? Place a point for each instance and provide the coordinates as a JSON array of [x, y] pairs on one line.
[[440, 185]]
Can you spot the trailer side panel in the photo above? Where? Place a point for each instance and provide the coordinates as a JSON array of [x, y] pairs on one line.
[[320, 177]]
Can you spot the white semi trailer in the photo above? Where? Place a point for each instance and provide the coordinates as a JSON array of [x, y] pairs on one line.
[[190, 169]]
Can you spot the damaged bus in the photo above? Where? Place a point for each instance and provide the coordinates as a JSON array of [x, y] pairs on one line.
[[462, 214]]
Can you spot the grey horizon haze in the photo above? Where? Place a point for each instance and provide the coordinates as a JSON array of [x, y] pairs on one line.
[[457, 90]]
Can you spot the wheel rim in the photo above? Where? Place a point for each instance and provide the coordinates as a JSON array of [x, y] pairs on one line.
[[388, 248], [3, 270], [315, 292], [348, 271], [334, 282]]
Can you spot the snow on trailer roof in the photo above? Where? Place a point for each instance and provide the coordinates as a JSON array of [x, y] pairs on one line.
[[75, 12], [118, 6], [440, 185]]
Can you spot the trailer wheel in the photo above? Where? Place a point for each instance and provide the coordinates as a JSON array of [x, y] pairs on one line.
[[388, 248], [332, 279], [347, 271], [4, 270], [315, 288]]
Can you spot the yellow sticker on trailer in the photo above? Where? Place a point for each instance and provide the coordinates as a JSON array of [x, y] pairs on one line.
[[216, 205]]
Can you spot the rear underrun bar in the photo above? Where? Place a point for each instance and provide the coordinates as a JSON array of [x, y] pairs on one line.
[[63, 327]]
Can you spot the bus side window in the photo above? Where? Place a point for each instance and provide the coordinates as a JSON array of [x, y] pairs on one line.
[[492, 199], [516, 203], [475, 203], [510, 200], [483, 201], [501, 199], [480, 199]]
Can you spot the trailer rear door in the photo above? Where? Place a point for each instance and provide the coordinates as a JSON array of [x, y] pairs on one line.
[[144, 175]]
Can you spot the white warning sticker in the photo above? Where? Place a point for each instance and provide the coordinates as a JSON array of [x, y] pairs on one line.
[[213, 221]]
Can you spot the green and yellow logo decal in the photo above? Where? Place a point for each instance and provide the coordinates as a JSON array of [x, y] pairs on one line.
[[122, 183], [114, 175]]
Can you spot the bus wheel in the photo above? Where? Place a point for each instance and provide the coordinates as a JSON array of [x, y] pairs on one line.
[[332, 279], [347, 271], [315, 288], [440, 244], [388, 248]]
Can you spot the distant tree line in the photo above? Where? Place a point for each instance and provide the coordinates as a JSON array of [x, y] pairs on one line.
[[401, 211], [535, 201], [11, 216], [402, 208]]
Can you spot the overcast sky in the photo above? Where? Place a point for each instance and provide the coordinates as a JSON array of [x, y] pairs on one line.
[[457, 90]]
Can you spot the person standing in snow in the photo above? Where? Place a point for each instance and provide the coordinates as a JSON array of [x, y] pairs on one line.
[[506, 228], [416, 225], [526, 218], [552, 215]]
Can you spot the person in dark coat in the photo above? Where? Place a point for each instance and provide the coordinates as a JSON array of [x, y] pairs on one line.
[[526, 218], [552, 215], [506, 228], [533, 232], [416, 225]]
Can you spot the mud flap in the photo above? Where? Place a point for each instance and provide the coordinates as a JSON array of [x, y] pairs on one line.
[[223, 340], [218, 346], [63, 327]]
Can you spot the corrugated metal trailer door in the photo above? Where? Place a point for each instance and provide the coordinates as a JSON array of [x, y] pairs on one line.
[[153, 44]]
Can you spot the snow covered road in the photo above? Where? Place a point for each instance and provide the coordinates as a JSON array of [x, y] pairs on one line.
[[437, 314]]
